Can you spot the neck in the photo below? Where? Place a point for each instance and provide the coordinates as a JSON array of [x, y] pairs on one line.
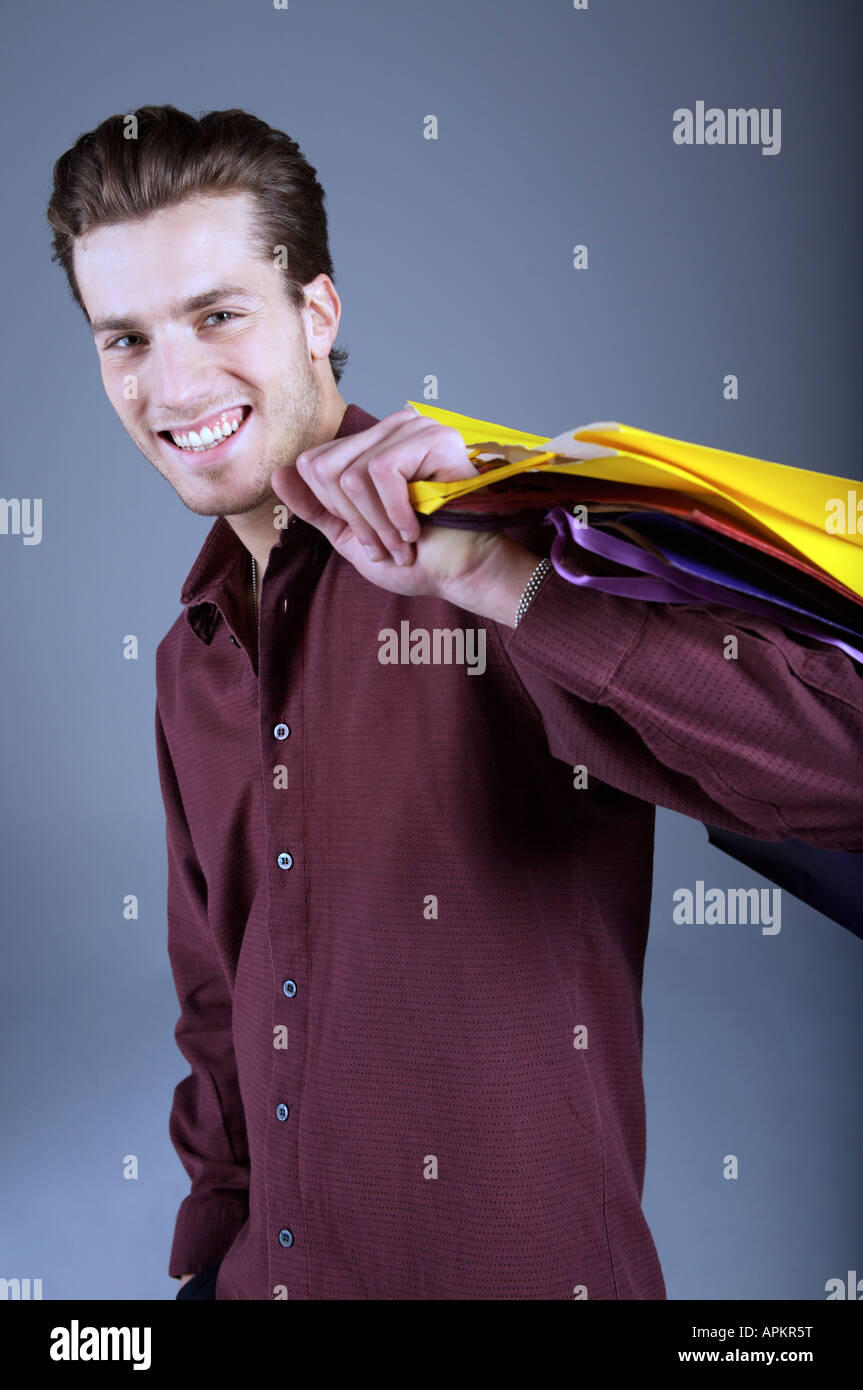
[[255, 529]]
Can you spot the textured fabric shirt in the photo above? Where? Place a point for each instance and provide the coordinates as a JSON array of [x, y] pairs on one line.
[[408, 943]]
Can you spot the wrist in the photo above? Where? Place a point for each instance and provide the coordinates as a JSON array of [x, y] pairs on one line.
[[494, 587]]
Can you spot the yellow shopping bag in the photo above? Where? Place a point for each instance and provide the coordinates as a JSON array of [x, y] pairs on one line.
[[814, 514]]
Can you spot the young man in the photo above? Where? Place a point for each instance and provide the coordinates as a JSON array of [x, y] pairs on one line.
[[407, 943]]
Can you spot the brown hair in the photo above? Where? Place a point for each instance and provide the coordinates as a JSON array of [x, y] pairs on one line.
[[107, 178]]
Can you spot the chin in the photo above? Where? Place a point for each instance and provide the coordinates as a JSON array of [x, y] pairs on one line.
[[219, 499]]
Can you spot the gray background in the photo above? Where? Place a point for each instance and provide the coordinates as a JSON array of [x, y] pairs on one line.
[[452, 257]]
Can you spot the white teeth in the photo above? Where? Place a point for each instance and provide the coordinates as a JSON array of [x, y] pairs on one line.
[[208, 438]]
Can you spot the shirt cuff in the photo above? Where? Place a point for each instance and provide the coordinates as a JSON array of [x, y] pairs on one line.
[[206, 1229], [576, 636]]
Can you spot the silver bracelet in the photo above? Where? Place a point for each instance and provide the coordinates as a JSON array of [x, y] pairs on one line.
[[531, 588]]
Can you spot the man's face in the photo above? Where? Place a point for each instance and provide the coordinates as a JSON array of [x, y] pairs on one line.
[[234, 364]]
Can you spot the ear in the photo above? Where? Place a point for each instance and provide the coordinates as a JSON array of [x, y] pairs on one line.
[[321, 315]]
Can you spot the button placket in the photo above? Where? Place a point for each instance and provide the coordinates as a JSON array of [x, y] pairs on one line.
[[280, 665]]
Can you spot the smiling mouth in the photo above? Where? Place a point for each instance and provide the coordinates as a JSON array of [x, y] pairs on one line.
[[218, 429]]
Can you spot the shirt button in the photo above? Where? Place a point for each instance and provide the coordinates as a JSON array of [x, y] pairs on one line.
[[286, 1237], [281, 731], [282, 1112], [289, 988], [285, 860]]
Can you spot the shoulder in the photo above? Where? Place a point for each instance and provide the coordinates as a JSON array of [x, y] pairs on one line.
[[171, 654]]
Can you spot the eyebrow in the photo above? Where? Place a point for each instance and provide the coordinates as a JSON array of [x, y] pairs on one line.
[[179, 310]]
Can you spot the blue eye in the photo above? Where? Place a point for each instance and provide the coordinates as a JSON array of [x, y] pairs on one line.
[[228, 312]]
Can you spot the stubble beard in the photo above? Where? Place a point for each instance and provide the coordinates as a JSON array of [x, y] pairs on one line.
[[296, 412]]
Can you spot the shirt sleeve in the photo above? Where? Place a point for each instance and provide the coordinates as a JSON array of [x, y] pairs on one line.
[[767, 744], [207, 1121]]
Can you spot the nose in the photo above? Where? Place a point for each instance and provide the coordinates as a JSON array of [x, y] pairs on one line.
[[179, 377]]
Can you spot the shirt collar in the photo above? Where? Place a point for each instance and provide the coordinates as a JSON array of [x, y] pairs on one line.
[[216, 579]]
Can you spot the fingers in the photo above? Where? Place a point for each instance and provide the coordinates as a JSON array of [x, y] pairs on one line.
[[302, 501], [376, 507], [339, 474], [364, 478], [323, 477]]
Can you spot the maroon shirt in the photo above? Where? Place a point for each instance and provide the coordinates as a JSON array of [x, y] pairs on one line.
[[451, 909]]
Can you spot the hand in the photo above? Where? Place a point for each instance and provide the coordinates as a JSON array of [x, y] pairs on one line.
[[355, 491]]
